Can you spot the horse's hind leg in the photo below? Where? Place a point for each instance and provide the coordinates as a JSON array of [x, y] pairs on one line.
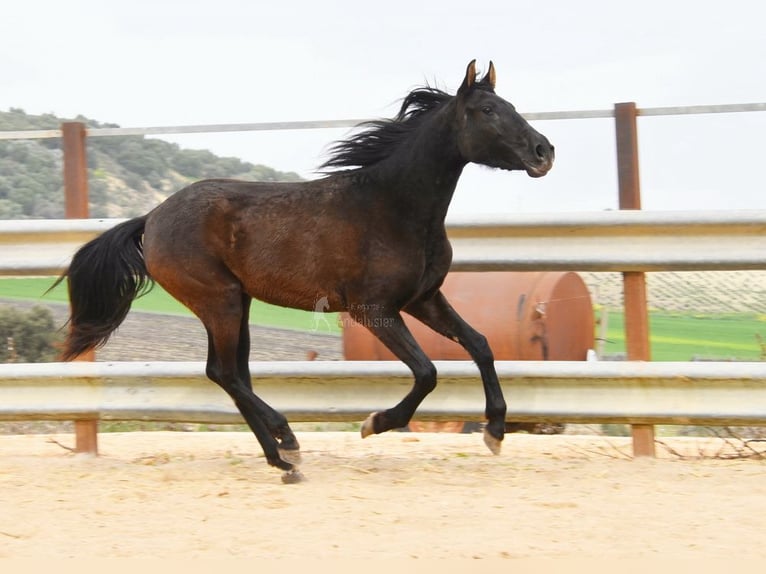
[[199, 280], [289, 449], [224, 316]]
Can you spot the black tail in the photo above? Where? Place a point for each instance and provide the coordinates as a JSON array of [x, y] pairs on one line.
[[104, 277]]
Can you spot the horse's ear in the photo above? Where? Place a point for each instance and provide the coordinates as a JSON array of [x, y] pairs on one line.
[[470, 77], [491, 76]]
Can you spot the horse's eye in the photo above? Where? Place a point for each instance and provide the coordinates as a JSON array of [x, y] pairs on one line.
[[487, 110]]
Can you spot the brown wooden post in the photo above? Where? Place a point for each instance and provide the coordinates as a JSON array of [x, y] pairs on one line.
[[86, 436], [76, 207], [634, 282], [75, 171]]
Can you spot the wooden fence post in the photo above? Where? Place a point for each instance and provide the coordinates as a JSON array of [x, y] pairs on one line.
[[634, 283], [75, 171], [74, 136]]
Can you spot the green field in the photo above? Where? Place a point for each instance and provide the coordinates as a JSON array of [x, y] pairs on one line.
[[158, 301], [683, 336], [674, 336]]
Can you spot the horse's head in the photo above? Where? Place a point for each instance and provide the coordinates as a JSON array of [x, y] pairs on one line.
[[491, 132]]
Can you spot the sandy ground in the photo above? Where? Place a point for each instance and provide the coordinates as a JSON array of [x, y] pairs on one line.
[[398, 495]]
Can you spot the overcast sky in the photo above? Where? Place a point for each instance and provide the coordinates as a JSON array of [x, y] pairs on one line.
[[154, 62]]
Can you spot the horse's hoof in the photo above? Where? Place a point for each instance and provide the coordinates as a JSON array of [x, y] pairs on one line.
[[368, 426], [293, 456], [293, 476], [493, 444]]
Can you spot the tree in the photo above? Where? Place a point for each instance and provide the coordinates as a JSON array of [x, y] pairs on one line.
[[128, 175]]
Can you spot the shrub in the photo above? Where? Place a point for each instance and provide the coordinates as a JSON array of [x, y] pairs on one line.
[[28, 336]]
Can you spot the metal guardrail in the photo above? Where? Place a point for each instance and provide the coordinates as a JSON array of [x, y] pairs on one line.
[[628, 240], [579, 241], [44, 247], [631, 392], [588, 392]]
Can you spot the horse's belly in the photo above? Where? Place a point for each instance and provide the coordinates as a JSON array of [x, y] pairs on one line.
[[307, 298]]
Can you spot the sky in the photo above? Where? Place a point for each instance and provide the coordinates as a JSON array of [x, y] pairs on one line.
[[178, 62]]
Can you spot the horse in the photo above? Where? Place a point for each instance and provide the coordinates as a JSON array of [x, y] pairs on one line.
[[368, 234]]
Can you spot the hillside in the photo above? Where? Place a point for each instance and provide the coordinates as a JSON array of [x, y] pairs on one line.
[[128, 175]]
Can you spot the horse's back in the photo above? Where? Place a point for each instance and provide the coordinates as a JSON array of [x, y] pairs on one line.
[[292, 243], [276, 241]]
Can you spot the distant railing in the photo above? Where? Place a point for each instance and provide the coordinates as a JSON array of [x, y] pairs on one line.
[[350, 123]]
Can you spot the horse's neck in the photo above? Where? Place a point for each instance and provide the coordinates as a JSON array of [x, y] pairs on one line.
[[423, 174]]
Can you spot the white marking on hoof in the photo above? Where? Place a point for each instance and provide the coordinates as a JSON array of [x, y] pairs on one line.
[[368, 427], [492, 443], [293, 476], [292, 456]]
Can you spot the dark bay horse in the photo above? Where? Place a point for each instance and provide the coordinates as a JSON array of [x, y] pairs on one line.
[[369, 238]]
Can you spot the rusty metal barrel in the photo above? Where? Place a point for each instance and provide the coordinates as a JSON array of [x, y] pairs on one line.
[[524, 315]]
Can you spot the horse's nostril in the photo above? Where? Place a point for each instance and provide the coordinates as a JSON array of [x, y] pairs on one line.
[[542, 151]]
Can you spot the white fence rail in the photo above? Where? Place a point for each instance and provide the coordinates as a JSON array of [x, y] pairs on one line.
[[587, 392], [584, 241], [350, 123]]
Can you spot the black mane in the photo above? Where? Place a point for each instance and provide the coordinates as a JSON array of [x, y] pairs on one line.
[[382, 137]]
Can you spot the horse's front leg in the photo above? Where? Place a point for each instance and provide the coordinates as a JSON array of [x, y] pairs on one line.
[[394, 334], [438, 314]]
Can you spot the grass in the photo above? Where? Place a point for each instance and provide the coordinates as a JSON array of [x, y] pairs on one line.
[[674, 336], [683, 336], [159, 301]]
